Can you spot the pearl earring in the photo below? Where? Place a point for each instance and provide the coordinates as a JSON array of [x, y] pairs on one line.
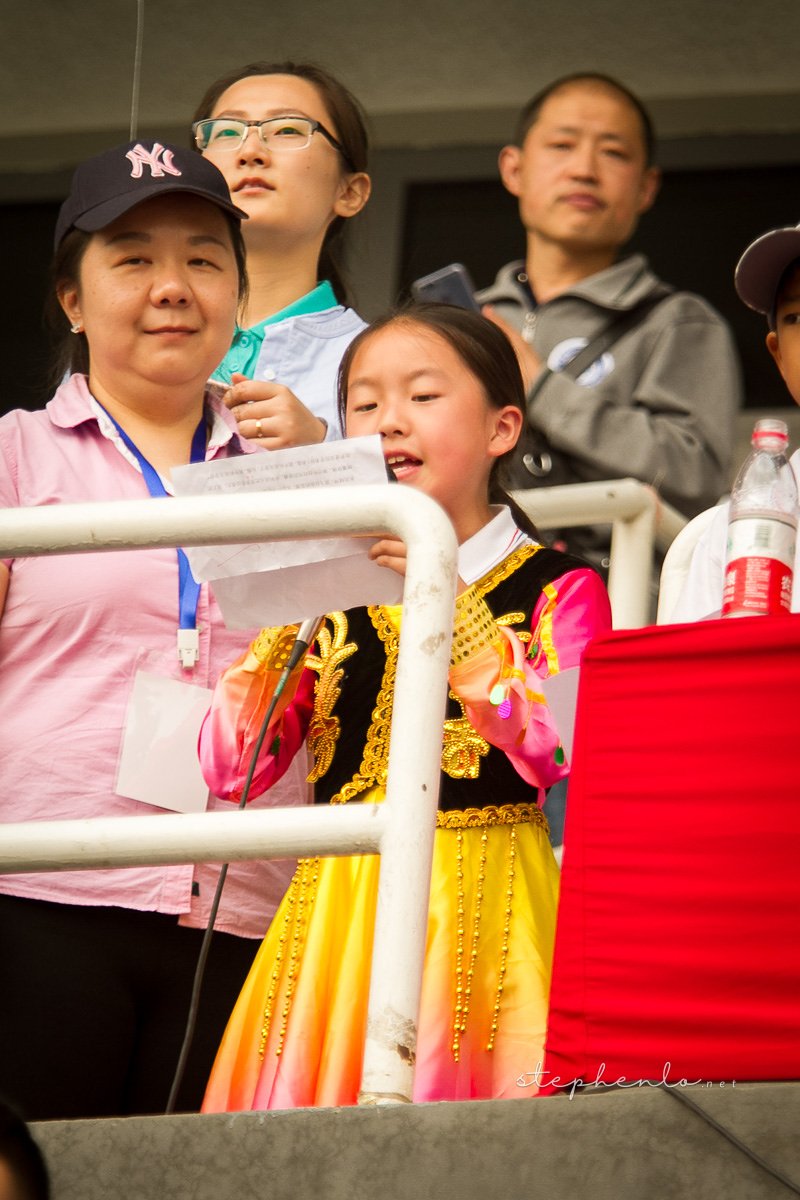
[[76, 327]]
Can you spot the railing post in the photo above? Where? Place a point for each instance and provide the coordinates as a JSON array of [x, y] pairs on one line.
[[640, 521], [630, 572], [407, 840]]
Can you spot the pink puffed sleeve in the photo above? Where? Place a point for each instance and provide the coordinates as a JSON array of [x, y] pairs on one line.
[[571, 611], [241, 697]]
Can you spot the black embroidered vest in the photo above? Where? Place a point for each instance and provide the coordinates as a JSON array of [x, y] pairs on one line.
[[356, 665]]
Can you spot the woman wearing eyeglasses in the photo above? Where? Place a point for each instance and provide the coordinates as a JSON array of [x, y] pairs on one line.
[[292, 145]]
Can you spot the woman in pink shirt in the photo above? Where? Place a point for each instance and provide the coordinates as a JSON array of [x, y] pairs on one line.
[[97, 965]]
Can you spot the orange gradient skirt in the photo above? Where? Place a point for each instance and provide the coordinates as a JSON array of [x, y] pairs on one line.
[[296, 1035]]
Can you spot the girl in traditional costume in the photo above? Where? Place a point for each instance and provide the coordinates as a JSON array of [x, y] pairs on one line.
[[442, 388]]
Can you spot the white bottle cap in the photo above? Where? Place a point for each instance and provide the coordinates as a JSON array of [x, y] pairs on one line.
[[770, 432]]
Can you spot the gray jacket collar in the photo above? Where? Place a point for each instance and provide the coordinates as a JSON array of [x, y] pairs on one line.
[[619, 287]]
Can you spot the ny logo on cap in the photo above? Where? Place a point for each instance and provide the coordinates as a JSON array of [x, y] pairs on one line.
[[140, 157]]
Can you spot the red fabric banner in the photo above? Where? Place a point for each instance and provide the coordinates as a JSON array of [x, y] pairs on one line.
[[678, 943]]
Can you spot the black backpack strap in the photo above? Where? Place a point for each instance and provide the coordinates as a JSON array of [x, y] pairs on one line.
[[611, 333], [616, 328]]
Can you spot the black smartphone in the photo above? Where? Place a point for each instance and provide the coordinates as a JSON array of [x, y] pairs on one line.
[[449, 285]]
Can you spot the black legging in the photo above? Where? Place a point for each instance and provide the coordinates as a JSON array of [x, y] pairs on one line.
[[93, 1005]]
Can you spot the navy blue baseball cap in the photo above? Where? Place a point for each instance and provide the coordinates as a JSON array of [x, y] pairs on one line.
[[762, 267], [108, 185]]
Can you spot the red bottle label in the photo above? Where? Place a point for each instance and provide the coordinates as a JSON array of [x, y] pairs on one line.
[[758, 575], [757, 587]]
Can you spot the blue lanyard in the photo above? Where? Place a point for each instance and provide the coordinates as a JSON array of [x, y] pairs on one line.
[[188, 587]]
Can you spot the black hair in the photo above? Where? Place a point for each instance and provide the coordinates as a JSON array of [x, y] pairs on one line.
[[22, 1157], [71, 350], [485, 351], [532, 110], [349, 127]]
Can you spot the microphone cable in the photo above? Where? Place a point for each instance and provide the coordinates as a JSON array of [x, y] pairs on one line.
[[303, 640]]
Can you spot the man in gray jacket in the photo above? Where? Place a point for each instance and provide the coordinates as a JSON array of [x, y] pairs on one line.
[[656, 398]]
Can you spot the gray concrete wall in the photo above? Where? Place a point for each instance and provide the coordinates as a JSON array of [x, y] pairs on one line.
[[614, 1144]]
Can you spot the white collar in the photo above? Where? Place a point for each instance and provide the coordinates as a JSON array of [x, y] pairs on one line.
[[490, 545]]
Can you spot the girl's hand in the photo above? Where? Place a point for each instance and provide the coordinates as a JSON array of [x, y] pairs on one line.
[[389, 552], [271, 415]]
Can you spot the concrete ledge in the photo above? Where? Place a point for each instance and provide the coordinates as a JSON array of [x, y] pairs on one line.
[[612, 1145]]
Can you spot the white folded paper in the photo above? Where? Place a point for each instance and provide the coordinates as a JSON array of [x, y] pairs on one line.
[[273, 583]]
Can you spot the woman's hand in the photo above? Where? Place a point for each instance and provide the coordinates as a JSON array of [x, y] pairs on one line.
[[271, 415]]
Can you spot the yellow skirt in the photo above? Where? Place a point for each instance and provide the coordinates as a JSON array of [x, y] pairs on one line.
[[296, 1036]]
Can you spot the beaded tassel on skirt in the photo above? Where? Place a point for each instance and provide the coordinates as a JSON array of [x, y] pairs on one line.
[[296, 1035]]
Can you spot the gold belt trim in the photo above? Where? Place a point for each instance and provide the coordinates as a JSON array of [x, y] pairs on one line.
[[493, 814]]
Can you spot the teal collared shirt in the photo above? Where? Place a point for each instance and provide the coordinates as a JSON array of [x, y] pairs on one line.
[[246, 346]]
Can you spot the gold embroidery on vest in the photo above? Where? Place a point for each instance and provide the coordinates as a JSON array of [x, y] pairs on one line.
[[474, 628], [502, 571], [463, 747], [324, 729], [507, 567], [376, 747]]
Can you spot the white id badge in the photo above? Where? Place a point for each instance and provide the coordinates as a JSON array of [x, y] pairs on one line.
[[158, 761]]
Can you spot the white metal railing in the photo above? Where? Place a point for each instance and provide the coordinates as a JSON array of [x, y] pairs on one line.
[[640, 521], [400, 830]]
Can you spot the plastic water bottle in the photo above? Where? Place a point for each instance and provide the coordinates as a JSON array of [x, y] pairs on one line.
[[762, 528]]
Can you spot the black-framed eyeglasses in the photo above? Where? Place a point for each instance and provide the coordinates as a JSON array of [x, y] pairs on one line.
[[277, 133]]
